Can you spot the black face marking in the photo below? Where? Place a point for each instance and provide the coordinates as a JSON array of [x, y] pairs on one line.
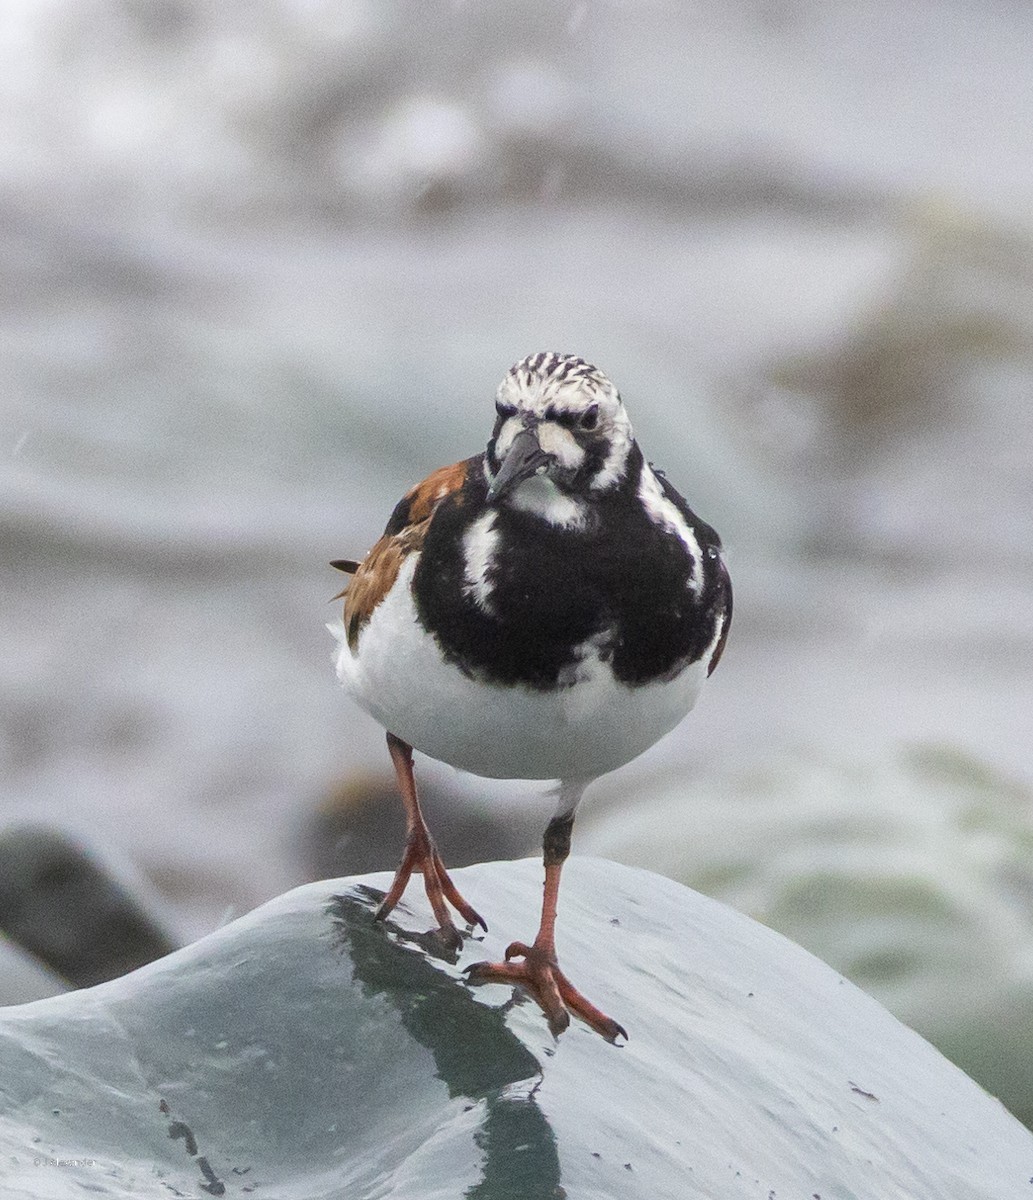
[[596, 451], [622, 582]]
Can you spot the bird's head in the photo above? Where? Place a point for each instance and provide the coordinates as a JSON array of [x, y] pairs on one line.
[[562, 432]]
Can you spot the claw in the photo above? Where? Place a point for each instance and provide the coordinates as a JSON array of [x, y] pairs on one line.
[[469, 914]]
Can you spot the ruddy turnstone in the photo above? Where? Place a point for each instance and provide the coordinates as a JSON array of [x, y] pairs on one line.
[[545, 610]]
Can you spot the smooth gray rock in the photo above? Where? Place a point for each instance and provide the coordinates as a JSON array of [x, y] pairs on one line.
[[305, 1052]]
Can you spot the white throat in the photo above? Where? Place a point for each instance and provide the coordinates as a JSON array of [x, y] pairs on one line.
[[542, 498]]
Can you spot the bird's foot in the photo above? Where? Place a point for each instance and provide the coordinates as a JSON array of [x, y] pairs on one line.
[[539, 974], [421, 855]]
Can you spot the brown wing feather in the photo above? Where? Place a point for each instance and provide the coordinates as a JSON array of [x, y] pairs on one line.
[[376, 574]]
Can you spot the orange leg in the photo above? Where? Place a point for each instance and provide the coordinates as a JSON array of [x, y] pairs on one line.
[[539, 972], [421, 855]]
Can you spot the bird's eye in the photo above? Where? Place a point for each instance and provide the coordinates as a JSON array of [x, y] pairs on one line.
[[590, 417], [505, 410]]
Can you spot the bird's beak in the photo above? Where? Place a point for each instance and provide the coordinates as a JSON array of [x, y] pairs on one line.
[[524, 458]]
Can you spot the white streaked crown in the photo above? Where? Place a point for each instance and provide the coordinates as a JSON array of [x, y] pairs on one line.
[[561, 380]]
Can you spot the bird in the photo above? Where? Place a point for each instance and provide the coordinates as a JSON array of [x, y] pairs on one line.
[[547, 609]]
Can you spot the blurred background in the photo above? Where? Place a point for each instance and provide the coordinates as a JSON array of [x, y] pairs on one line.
[[263, 266]]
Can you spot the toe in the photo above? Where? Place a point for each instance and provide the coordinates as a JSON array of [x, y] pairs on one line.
[[582, 1007]]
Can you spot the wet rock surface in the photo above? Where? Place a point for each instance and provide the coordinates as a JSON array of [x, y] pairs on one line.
[[305, 1051]]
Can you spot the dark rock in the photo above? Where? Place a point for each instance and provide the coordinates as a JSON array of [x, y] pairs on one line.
[[64, 905]]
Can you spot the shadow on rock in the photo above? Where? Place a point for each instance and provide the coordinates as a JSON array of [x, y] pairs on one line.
[[475, 1052]]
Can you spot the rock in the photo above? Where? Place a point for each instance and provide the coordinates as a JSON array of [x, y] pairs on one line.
[[912, 874], [305, 1051], [84, 917]]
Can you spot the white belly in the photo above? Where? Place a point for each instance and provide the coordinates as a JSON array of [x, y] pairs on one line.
[[576, 732]]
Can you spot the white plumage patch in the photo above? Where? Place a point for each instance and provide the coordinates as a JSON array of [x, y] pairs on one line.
[[480, 543], [561, 444], [615, 464], [665, 514], [542, 498]]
